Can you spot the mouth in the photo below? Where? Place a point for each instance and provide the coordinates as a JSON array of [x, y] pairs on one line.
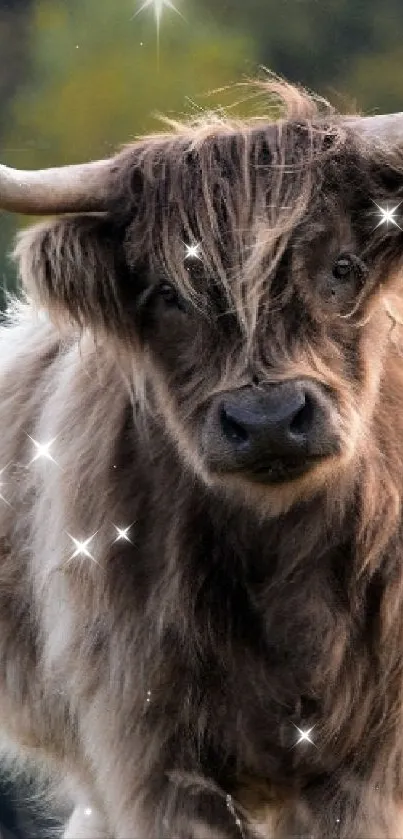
[[281, 469]]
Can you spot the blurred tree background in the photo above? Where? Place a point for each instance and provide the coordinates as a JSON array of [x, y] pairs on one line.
[[80, 77]]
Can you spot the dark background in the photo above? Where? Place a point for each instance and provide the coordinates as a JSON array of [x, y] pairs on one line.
[[80, 77]]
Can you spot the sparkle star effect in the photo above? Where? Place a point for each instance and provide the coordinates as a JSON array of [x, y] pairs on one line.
[[304, 735], [387, 215], [193, 251], [82, 548], [122, 533], [158, 6], [42, 450]]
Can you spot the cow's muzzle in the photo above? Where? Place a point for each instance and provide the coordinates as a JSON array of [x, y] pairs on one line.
[[273, 433]]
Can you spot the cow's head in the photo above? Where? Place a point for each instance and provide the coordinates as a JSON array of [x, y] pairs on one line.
[[241, 268]]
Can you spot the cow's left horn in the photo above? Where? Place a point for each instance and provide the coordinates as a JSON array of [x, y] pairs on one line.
[[68, 189], [385, 128]]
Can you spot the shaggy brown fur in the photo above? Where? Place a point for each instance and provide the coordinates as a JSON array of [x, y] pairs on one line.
[[171, 671]]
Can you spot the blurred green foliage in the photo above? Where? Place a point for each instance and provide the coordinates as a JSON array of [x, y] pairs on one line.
[[80, 77], [97, 78]]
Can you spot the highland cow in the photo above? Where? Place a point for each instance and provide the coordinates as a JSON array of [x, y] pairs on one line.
[[201, 576]]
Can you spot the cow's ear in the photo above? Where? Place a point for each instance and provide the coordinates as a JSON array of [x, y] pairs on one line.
[[74, 267]]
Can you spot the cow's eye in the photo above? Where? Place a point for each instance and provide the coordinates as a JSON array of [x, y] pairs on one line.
[[170, 297], [349, 267], [343, 268]]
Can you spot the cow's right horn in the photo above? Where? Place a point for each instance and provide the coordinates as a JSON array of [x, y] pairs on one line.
[[67, 189]]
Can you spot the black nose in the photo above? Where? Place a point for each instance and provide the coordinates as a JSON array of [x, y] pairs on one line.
[[277, 421], [267, 429]]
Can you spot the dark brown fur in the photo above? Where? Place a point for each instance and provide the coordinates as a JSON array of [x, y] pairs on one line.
[[174, 670]]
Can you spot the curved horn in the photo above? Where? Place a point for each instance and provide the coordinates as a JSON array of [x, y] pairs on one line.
[[386, 128], [67, 189]]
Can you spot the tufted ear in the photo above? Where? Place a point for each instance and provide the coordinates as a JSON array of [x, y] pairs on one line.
[[74, 267]]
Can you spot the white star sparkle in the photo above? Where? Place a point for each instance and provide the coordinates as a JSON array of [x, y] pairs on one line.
[[87, 811], [82, 547], [42, 450], [387, 215], [304, 736], [122, 533], [193, 251], [158, 6]]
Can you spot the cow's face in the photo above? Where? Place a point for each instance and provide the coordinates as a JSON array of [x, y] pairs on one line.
[[253, 304], [288, 411]]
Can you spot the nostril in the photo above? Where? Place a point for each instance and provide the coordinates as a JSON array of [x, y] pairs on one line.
[[302, 420], [232, 429]]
